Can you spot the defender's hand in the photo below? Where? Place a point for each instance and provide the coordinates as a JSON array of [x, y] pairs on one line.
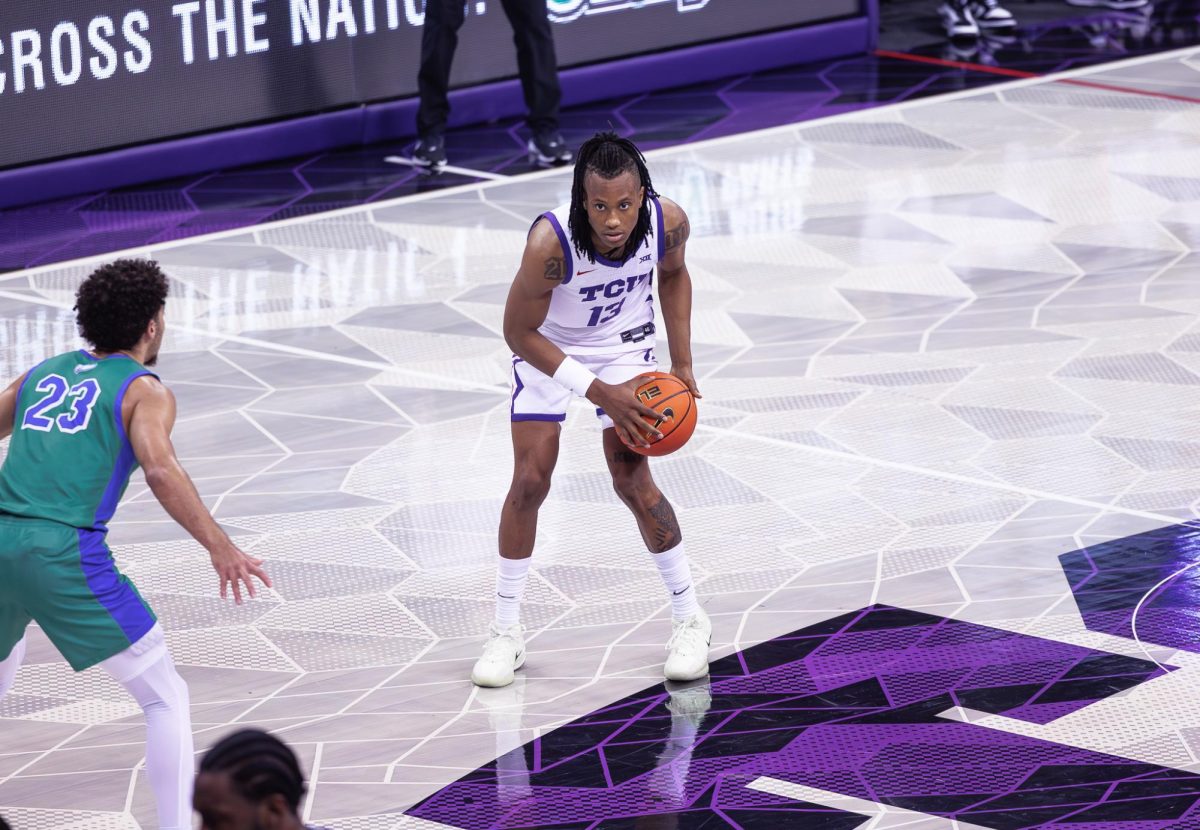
[[620, 403], [234, 567]]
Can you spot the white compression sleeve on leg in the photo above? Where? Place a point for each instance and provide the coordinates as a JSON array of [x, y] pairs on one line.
[[147, 672], [9, 666]]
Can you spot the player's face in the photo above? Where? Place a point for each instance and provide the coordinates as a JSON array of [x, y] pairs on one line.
[[156, 343], [613, 206]]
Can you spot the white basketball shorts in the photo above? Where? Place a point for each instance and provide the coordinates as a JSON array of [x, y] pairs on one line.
[[537, 397]]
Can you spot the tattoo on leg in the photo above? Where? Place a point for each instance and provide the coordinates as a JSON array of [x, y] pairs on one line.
[[625, 457], [666, 526]]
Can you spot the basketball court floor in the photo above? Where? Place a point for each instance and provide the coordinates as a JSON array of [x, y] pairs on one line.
[[942, 496]]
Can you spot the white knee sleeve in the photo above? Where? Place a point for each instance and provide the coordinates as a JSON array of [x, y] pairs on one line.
[[9, 666], [146, 670]]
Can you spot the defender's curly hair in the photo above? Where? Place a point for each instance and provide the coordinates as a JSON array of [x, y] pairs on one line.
[[115, 304], [259, 764], [608, 156]]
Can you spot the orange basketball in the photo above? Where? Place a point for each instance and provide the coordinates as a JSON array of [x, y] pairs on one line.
[[667, 395]]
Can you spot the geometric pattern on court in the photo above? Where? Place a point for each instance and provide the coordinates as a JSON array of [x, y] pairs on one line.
[[940, 345], [1140, 587]]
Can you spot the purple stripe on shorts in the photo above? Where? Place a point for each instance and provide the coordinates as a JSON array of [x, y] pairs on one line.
[[539, 417], [518, 386], [566, 246], [112, 590]]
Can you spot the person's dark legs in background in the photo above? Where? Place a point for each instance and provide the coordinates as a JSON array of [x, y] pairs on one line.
[[439, 38], [536, 63], [538, 67]]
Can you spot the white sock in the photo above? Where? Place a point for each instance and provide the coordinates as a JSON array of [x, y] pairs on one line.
[[163, 696], [677, 576], [511, 576]]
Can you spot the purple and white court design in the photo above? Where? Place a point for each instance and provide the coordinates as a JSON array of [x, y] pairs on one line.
[[941, 504]]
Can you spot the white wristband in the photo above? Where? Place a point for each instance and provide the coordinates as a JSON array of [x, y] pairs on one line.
[[574, 376]]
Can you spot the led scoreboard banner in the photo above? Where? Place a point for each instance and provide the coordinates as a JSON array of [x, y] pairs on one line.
[[81, 76], [564, 10]]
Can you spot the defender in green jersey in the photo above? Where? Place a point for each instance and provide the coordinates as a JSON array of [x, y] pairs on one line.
[[81, 423]]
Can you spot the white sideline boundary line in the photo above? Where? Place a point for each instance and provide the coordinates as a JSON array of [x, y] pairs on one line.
[[945, 475], [446, 168]]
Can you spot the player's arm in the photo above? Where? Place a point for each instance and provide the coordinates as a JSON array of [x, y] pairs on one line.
[[543, 267], [151, 417], [8, 407], [675, 292]]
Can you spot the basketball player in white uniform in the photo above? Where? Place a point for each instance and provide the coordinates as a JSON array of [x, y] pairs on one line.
[[580, 321]]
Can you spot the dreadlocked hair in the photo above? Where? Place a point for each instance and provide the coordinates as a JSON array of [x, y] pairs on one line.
[[608, 156], [259, 764]]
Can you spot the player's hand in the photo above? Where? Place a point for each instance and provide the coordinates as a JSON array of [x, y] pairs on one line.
[[620, 402], [235, 567], [685, 374]]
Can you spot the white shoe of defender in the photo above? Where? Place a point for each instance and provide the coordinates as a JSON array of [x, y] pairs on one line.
[[503, 654], [688, 648]]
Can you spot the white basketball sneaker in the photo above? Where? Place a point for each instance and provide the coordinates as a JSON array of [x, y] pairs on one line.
[[503, 654], [688, 648], [989, 14], [957, 18]]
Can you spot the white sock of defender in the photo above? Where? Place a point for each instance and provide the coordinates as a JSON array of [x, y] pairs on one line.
[[511, 576], [677, 576]]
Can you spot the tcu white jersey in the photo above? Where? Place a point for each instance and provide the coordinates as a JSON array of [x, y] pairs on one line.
[[604, 307]]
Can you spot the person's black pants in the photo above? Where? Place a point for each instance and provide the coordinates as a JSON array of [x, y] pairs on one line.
[[535, 61]]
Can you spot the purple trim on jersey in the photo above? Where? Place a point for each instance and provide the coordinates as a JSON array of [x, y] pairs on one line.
[[539, 417], [662, 234], [95, 359], [566, 246], [611, 263], [111, 589], [125, 463]]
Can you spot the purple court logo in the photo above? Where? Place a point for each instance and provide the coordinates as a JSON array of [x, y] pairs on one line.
[[871, 708]]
